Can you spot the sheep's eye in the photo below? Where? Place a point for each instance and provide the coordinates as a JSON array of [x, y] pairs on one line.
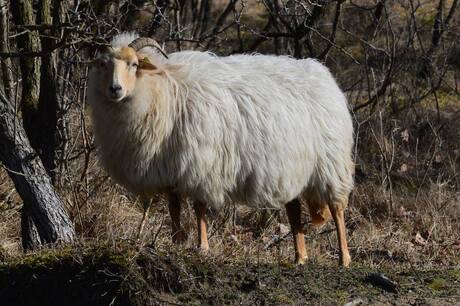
[[102, 64], [135, 65]]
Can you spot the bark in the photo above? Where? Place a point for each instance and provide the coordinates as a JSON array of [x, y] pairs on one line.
[[60, 9], [440, 28], [29, 232], [437, 26], [38, 98], [30, 70], [6, 65], [38, 106], [47, 103], [32, 183], [30, 73]]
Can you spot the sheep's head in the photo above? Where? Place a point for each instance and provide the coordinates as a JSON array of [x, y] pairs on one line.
[[118, 68]]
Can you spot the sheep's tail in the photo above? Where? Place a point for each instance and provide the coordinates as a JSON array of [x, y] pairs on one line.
[[319, 212]]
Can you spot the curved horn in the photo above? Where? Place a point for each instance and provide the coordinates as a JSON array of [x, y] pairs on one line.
[[142, 42]]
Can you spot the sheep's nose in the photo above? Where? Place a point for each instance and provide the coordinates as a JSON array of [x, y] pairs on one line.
[[115, 89]]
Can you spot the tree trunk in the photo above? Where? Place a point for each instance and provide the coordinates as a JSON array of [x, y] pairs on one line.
[[47, 104], [440, 27], [6, 65], [41, 203], [38, 106], [60, 9], [30, 72], [30, 236], [37, 110]]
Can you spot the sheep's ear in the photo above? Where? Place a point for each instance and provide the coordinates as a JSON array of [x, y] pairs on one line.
[[145, 64]]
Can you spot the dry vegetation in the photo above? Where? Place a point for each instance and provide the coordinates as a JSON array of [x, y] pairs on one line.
[[404, 214]]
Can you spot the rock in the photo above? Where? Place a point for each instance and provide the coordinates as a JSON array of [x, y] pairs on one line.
[[355, 302], [381, 281]]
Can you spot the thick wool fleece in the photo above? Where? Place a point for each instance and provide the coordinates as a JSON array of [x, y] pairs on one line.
[[256, 129]]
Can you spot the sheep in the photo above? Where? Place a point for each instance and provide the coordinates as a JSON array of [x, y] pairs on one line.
[[258, 130]]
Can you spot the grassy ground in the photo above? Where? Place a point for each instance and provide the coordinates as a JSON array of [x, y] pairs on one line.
[[124, 275]]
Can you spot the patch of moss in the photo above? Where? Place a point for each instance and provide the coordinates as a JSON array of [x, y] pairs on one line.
[[342, 296], [63, 277], [444, 99], [437, 284], [284, 299], [455, 274]]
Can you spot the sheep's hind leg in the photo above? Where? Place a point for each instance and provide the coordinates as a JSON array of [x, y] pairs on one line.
[[200, 211], [338, 216], [294, 210], [174, 204], [146, 203]]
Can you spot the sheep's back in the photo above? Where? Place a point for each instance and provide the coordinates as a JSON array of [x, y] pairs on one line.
[[261, 129]]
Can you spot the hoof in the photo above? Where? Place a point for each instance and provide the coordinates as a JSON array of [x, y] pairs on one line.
[[300, 261], [203, 249], [345, 260]]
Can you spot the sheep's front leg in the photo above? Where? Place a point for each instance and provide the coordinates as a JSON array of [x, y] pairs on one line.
[[174, 204], [200, 211], [293, 210], [338, 216], [146, 203]]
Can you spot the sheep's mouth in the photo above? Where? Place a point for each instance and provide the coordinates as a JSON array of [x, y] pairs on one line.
[[116, 98]]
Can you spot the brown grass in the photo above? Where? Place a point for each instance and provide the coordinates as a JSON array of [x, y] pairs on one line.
[[422, 229], [404, 210]]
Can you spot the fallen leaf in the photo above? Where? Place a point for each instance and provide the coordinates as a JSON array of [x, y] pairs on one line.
[[284, 229], [234, 238], [438, 159], [405, 135], [403, 168], [419, 240], [456, 246]]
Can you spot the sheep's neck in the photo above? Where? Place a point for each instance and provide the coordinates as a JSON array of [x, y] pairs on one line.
[[151, 114]]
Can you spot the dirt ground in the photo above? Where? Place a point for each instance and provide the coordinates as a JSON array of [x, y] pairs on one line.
[[128, 276]]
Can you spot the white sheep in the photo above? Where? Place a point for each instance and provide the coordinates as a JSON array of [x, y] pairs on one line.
[[253, 129]]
